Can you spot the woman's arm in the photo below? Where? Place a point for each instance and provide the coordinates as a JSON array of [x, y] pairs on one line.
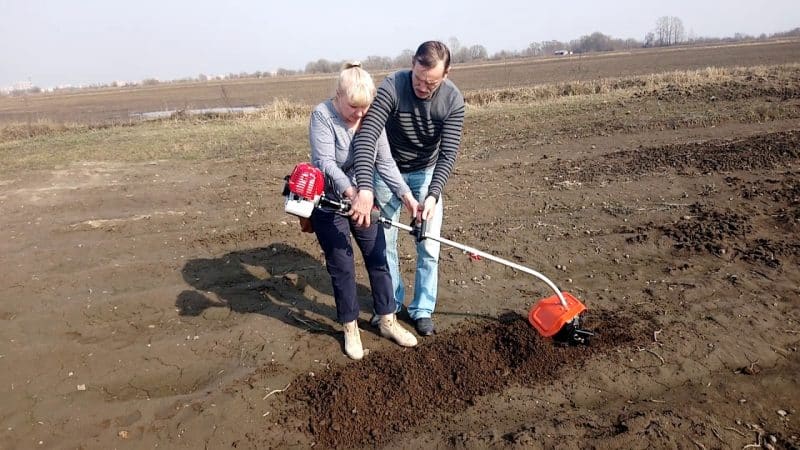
[[323, 151], [387, 168], [390, 174]]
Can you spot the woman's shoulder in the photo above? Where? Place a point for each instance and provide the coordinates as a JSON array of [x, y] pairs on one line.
[[325, 109]]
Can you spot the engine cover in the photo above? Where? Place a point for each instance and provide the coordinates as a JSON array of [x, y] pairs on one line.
[[304, 188]]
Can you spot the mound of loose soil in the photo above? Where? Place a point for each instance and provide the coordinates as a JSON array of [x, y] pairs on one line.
[[364, 404]]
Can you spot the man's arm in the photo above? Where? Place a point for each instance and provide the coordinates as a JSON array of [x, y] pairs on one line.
[[365, 140], [448, 149], [364, 149]]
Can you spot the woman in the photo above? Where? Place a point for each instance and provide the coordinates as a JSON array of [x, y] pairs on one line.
[[333, 123]]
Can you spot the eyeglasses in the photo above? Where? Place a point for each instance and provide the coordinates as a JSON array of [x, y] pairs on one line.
[[431, 85]]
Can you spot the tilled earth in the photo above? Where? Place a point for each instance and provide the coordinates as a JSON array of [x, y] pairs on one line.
[[174, 304], [366, 404]]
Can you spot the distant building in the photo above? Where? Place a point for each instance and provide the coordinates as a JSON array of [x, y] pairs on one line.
[[23, 86], [562, 52]]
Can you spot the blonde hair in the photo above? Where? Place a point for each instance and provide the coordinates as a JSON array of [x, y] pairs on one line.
[[355, 85]]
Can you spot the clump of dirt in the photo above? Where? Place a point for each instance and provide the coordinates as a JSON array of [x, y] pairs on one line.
[[784, 192], [763, 151], [789, 218], [767, 252], [707, 231], [718, 233], [364, 404]]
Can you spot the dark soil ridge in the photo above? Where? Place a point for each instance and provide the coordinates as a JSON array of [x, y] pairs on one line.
[[721, 233], [706, 231], [763, 151], [365, 403], [782, 83]]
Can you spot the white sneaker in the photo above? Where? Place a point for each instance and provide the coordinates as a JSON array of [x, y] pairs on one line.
[[391, 329], [376, 319], [352, 341]]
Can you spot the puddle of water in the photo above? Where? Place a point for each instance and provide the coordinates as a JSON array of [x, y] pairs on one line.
[[153, 115]]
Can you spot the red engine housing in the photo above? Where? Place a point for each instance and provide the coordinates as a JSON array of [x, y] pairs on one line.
[[307, 181], [303, 190]]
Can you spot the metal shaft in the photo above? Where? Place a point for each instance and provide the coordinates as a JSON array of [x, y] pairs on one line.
[[343, 206], [475, 251]]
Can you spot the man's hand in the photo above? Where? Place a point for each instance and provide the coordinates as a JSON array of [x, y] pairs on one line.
[[411, 204], [427, 209], [361, 207]]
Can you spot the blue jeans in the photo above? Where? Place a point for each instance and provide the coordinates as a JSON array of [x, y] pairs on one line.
[[333, 233], [426, 278]]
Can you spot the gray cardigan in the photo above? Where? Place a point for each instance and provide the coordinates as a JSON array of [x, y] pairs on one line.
[[331, 152]]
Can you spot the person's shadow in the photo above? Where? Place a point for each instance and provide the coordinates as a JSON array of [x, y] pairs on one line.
[[277, 280]]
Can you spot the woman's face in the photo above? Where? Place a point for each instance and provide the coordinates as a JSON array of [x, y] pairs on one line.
[[352, 114]]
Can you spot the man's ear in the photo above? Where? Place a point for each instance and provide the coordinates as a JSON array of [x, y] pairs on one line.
[[446, 72]]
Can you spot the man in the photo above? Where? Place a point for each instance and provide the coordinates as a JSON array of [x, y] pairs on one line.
[[423, 114]]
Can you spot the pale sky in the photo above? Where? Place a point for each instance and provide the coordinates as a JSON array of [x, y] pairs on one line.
[[52, 42]]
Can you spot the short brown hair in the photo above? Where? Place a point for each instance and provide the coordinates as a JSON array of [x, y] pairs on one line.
[[429, 53]]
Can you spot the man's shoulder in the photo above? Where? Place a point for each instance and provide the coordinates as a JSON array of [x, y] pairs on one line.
[[450, 93], [448, 83], [397, 78], [398, 74]]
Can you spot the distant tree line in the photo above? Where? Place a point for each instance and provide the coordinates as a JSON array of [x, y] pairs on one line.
[[668, 31]]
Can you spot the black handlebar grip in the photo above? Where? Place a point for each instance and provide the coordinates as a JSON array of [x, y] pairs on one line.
[[419, 229]]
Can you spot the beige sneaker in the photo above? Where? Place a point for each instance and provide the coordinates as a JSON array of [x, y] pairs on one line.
[[391, 329], [352, 341]]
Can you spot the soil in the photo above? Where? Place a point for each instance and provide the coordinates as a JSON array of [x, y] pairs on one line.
[[173, 304], [449, 374]]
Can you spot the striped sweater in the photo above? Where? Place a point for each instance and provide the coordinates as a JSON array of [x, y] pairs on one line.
[[422, 133]]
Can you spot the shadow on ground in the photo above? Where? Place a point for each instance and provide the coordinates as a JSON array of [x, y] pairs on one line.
[[277, 280]]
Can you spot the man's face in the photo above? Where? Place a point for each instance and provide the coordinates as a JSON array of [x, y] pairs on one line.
[[425, 81]]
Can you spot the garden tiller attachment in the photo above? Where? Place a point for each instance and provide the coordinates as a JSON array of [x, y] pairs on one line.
[[557, 316]]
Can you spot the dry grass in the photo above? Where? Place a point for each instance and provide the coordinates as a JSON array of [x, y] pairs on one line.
[[277, 131], [526, 116], [685, 79], [284, 110], [281, 112]]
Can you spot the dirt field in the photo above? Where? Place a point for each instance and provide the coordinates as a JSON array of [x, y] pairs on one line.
[[171, 303], [118, 104]]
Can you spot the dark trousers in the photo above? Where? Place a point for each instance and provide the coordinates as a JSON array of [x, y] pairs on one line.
[[333, 233]]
